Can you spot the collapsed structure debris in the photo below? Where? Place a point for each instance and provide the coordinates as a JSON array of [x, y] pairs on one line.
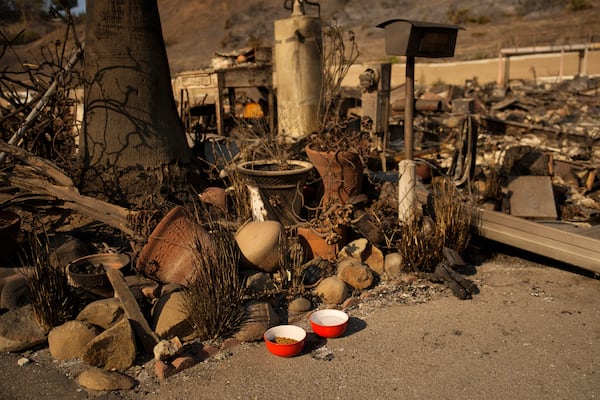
[[512, 166]]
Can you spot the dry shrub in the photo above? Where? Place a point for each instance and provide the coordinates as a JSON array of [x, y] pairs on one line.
[[453, 216], [52, 298], [420, 246], [421, 241], [215, 297], [291, 262]]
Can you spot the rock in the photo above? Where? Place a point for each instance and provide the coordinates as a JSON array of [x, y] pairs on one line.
[[171, 318], [102, 313], [67, 252], [260, 317], [14, 292], [375, 260], [259, 283], [355, 249], [299, 304], [166, 349], [259, 242], [99, 379], [332, 290], [361, 249], [139, 285], [355, 273], [19, 330], [393, 264], [68, 340], [114, 348], [23, 361], [229, 343], [170, 288]]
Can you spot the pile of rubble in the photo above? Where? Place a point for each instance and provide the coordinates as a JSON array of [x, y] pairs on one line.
[[550, 131], [506, 148]]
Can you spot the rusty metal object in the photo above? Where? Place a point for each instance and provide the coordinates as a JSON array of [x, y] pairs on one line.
[[421, 105]]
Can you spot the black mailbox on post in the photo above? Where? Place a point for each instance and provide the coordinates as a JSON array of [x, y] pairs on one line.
[[419, 39]]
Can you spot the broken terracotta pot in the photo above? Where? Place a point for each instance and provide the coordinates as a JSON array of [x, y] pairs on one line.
[[323, 243], [171, 254], [260, 244], [89, 272]]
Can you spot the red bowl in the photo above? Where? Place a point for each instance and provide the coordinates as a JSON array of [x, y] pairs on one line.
[[276, 337], [329, 323]]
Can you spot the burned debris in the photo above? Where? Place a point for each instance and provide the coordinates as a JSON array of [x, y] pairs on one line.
[[275, 221]]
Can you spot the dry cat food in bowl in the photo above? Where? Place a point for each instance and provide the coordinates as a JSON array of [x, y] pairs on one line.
[[329, 323], [285, 340]]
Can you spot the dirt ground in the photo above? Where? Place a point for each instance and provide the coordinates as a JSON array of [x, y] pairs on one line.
[[533, 332]]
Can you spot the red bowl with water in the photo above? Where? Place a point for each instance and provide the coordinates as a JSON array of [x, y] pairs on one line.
[[329, 323]]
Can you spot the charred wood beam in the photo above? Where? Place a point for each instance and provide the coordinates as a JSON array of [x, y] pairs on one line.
[[60, 186]]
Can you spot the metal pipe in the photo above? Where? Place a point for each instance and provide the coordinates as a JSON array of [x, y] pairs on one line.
[[409, 108], [421, 105]]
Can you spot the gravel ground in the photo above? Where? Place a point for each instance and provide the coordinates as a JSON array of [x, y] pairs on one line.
[[532, 332]]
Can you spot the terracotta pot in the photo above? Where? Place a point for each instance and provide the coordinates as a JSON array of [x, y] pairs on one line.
[[281, 190], [341, 173], [88, 271], [319, 245], [171, 254]]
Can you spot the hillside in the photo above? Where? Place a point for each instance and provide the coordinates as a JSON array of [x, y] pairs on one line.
[[194, 31]]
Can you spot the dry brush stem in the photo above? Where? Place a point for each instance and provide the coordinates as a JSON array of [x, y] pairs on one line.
[[214, 299], [52, 299], [453, 217]]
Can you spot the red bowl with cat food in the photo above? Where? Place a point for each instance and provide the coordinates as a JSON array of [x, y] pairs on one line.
[[285, 340]]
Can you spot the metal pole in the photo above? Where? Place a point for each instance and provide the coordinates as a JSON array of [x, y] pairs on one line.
[[406, 168], [409, 108]]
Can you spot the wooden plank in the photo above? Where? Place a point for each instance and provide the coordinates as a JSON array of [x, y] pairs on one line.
[[145, 334]]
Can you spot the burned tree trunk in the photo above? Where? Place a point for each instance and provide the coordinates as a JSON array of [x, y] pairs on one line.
[[132, 133]]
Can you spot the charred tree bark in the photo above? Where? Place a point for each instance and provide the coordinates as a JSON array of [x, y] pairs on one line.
[[131, 125]]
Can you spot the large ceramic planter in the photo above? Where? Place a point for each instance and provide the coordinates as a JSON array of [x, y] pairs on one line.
[[341, 173], [280, 187], [172, 253]]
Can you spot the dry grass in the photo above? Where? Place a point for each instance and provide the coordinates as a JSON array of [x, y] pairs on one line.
[[422, 240], [215, 297], [52, 299], [420, 246], [291, 262], [453, 217]]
